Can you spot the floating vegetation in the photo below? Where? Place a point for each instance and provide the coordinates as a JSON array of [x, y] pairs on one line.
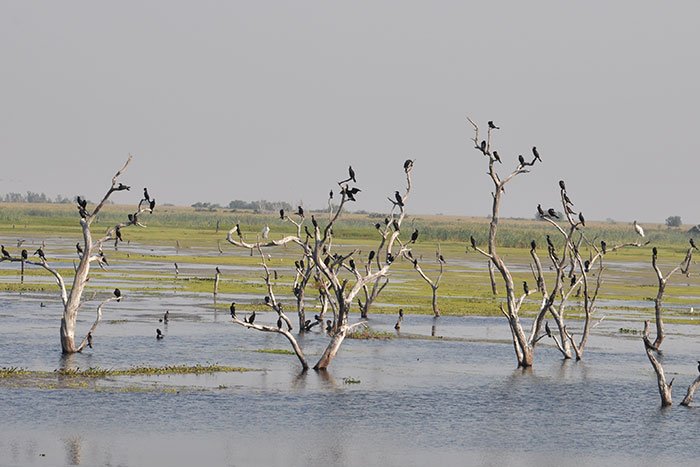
[[351, 380], [96, 372], [276, 351], [8, 372], [369, 333], [629, 331]]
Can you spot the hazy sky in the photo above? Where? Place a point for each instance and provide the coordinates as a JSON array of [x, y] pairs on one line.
[[272, 100]]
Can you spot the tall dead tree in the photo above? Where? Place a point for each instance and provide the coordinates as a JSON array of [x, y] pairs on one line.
[[90, 252], [434, 284], [337, 276]]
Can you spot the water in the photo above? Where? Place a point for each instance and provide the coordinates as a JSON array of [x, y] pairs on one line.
[[455, 399]]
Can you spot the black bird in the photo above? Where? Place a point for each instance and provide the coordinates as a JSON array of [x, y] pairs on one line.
[[389, 258], [521, 159], [279, 323], [89, 339], [547, 330], [371, 256], [251, 318], [540, 211], [533, 245], [166, 316], [145, 194], [313, 221], [122, 187], [483, 147], [352, 264], [536, 154], [414, 236], [472, 240], [549, 242], [352, 174], [300, 211], [586, 265], [408, 165], [603, 246], [552, 213], [654, 251], [218, 271], [526, 289], [83, 213], [159, 335], [267, 300], [5, 253], [233, 310], [567, 200], [573, 281], [353, 191], [349, 194], [24, 254], [492, 126], [118, 233], [692, 243], [301, 263], [395, 224], [377, 226], [330, 194], [698, 365], [103, 258], [117, 293], [561, 185], [282, 214], [132, 219], [152, 204], [329, 326], [40, 252], [442, 259], [79, 249], [327, 261], [581, 219], [308, 233], [399, 199], [497, 157], [81, 202]]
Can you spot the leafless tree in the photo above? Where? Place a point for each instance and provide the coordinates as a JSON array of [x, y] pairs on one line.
[[90, 252], [337, 277], [434, 284], [664, 387]]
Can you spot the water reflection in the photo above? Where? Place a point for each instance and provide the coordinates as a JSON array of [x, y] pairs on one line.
[[73, 447]]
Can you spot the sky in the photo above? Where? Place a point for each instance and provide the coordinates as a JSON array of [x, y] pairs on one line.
[[223, 100]]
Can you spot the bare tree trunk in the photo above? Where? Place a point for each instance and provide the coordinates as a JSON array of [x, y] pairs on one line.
[[664, 388], [688, 399], [492, 278], [436, 310], [216, 282]]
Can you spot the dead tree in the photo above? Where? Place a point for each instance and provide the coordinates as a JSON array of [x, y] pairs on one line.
[[683, 267], [434, 284], [337, 276], [523, 344], [688, 399], [90, 252], [664, 388]]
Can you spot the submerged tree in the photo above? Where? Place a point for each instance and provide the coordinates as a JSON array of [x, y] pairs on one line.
[[336, 276], [90, 252], [433, 283]]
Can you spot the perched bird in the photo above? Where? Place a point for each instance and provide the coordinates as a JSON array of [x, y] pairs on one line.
[[586, 265], [329, 326], [377, 226], [395, 224], [399, 199], [521, 159], [118, 233], [352, 264], [39, 252], [5, 253], [132, 219], [282, 214], [238, 230], [25, 255], [603, 246], [442, 259], [536, 154], [408, 165], [581, 219], [218, 271], [122, 187], [483, 147], [117, 293], [472, 240], [397, 326], [371, 256], [330, 194], [526, 289], [233, 310], [145, 194], [279, 323], [79, 249], [166, 316], [307, 231], [533, 245], [638, 228], [300, 211], [692, 244], [547, 330], [552, 213], [549, 242], [493, 126], [159, 335], [573, 280], [152, 204], [654, 251], [89, 339], [251, 318], [497, 157], [540, 211], [267, 300], [313, 221], [352, 174], [389, 258], [561, 185], [567, 200], [103, 259], [266, 232]]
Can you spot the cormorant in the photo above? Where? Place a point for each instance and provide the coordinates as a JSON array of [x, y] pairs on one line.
[[159, 335], [526, 289], [581, 219], [521, 159], [251, 318], [352, 174], [408, 165], [414, 236], [117, 293], [131, 218], [397, 326], [654, 251], [145, 194], [218, 271], [301, 263], [472, 240], [540, 211], [279, 323], [103, 258], [377, 226], [399, 199], [327, 261], [118, 233], [166, 316], [267, 300], [308, 233], [492, 126], [533, 245], [536, 154], [313, 221], [567, 200], [552, 213], [573, 281], [395, 224], [497, 157], [549, 242], [586, 265], [371, 256], [5, 253], [121, 187], [78, 248], [692, 244], [386, 221], [561, 185], [330, 195], [238, 230], [389, 258], [300, 211], [152, 204], [282, 214], [638, 228], [89, 339], [25, 254], [40, 252], [483, 147], [547, 330], [352, 264], [603, 246], [233, 310], [442, 259]]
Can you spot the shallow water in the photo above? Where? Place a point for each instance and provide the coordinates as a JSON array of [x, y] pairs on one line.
[[454, 399]]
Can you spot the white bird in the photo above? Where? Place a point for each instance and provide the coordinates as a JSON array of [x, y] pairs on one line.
[[639, 229], [266, 232]]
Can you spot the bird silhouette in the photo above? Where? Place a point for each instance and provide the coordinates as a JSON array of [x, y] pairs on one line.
[[472, 240], [536, 153], [79, 249], [399, 199], [540, 211], [497, 157], [603, 246], [562, 185], [89, 339], [533, 245], [493, 126], [352, 174], [526, 289], [117, 293], [552, 213], [39, 252], [408, 165], [282, 214], [5, 253], [233, 310], [581, 219], [547, 330], [25, 255], [692, 244], [414, 236], [145, 194], [159, 334]]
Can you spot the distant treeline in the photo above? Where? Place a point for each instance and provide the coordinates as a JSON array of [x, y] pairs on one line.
[[238, 204], [32, 197]]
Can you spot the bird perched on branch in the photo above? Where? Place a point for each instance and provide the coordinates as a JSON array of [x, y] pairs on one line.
[[371, 256], [497, 157], [313, 221], [251, 318], [581, 219], [79, 249], [533, 245], [152, 204], [692, 243], [330, 194], [238, 230], [540, 211], [232, 308], [482, 147], [145, 194], [603, 246], [397, 326], [441, 259], [118, 293], [282, 214], [586, 265], [547, 330], [638, 228], [159, 334], [536, 154], [395, 224], [39, 252], [549, 242], [654, 251], [122, 187], [118, 233], [492, 126], [300, 211], [89, 339], [521, 159], [552, 213], [408, 165], [25, 255], [526, 289], [414, 236], [562, 185], [352, 174], [399, 199]]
